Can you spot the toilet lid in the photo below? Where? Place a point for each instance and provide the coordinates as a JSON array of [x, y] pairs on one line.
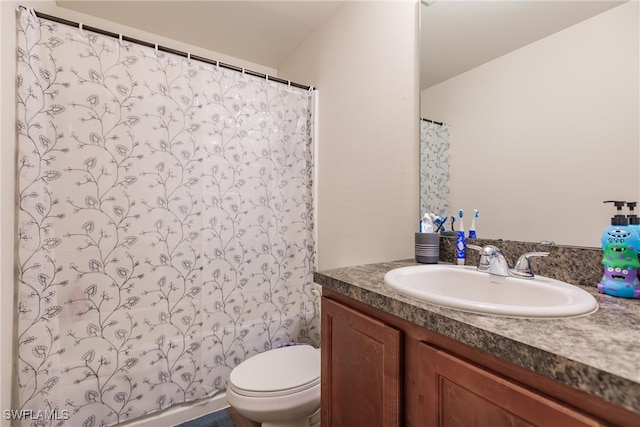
[[291, 368]]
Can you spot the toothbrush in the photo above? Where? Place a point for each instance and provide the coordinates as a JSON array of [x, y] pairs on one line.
[[461, 244], [440, 223], [460, 224], [453, 221], [472, 229]]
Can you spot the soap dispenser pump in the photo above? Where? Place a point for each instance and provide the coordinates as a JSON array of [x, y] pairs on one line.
[[619, 218], [634, 220], [620, 245]]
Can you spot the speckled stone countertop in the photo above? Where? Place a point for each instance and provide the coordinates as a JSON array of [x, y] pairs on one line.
[[599, 353]]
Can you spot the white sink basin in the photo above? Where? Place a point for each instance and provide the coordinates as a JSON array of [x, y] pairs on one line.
[[465, 288]]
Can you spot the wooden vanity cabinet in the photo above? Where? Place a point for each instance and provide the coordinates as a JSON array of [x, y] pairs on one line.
[[459, 394], [360, 369], [380, 370]]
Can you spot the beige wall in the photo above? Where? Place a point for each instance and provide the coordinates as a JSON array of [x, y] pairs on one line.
[[541, 136], [364, 63]]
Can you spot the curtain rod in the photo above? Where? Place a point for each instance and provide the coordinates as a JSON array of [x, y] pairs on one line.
[[166, 49], [432, 121]]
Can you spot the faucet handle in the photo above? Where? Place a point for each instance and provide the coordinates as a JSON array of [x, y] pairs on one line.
[[523, 265], [486, 254]]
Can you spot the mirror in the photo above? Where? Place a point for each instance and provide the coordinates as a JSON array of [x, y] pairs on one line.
[[540, 101]]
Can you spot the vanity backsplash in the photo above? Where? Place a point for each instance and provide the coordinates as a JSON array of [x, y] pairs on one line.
[[571, 264]]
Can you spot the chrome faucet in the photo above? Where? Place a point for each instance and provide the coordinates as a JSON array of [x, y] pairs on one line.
[[493, 261]]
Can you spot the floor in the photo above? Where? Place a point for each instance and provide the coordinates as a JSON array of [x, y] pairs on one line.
[[239, 420]]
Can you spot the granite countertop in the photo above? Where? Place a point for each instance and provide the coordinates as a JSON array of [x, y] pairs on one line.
[[598, 353]]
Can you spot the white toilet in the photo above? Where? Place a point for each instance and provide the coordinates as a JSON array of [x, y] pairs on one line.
[[278, 388]]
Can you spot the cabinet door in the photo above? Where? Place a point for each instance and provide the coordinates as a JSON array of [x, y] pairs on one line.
[[457, 393], [360, 369]]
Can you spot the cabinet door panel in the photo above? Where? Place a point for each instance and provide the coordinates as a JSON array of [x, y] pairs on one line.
[[455, 393], [360, 369]]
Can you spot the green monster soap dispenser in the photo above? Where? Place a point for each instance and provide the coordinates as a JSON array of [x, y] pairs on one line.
[[620, 245], [634, 222]]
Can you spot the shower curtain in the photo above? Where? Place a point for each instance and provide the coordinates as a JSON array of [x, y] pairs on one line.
[[165, 229], [434, 168]]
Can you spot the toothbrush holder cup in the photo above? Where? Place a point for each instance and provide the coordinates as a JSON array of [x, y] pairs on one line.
[[427, 246]]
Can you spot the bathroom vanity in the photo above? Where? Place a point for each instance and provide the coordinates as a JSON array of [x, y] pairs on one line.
[[390, 360]]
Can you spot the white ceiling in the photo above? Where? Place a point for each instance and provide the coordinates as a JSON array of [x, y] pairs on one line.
[[457, 35], [263, 32]]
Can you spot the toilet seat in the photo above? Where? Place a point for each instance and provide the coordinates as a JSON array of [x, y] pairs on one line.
[[278, 372]]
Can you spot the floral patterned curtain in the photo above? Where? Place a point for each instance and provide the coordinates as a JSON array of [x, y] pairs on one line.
[[165, 224], [434, 168]]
